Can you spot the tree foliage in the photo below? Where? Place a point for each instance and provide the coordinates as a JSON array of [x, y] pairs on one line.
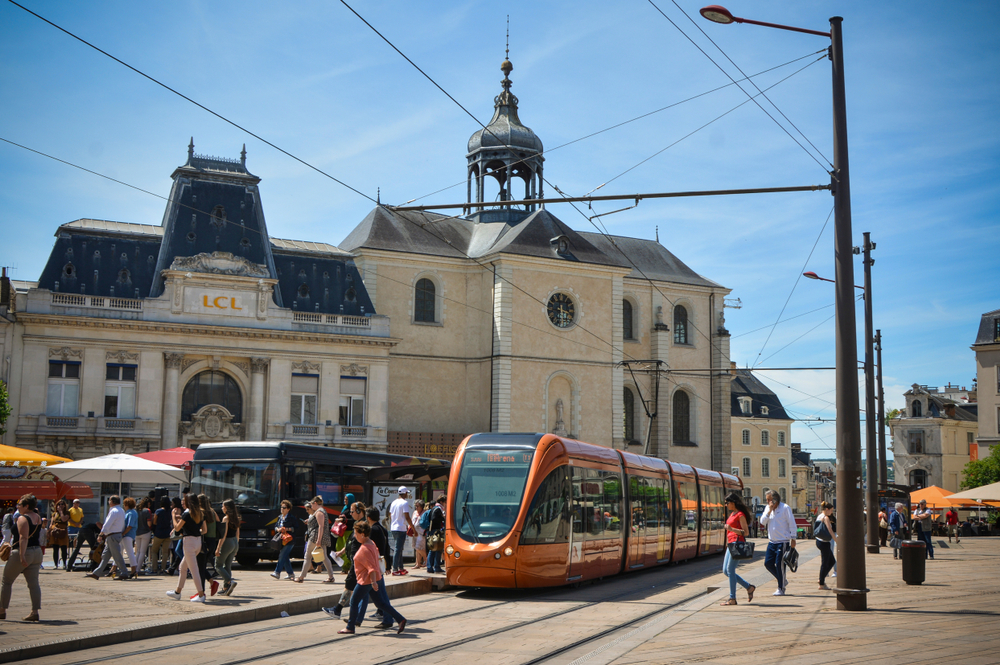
[[983, 471], [4, 408]]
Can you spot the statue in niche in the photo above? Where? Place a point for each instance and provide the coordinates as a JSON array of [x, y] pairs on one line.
[[560, 428], [659, 315]]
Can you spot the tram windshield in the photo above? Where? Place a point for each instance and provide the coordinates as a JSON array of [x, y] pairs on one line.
[[249, 483], [489, 492]]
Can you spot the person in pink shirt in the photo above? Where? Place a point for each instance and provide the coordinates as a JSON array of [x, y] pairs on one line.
[[370, 581]]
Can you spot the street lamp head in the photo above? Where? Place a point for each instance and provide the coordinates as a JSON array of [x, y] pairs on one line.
[[810, 275], [718, 14]]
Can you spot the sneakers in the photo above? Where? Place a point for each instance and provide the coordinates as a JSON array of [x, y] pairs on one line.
[[276, 576], [228, 591], [92, 576], [779, 592], [823, 587], [290, 578], [332, 611], [198, 599], [404, 571], [174, 595], [214, 586]]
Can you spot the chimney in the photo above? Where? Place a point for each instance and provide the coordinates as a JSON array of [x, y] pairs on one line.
[[7, 294]]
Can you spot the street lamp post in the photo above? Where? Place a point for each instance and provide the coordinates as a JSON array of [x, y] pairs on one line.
[[871, 421], [851, 591]]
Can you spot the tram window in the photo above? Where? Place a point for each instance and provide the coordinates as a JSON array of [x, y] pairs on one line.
[[548, 517], [637, 490], [299, 482], [663, 499], [612, 504], [687, 506]]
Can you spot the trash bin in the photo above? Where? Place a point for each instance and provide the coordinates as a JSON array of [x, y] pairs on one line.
[[913, 553]]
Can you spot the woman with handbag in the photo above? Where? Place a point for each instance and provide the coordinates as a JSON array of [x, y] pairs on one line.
[[825, 533], [190, 524], [59, 532], [23, 556], [419, 541], [317, 538], [229, 542], [285, 528], [898, 529], [737, 528]]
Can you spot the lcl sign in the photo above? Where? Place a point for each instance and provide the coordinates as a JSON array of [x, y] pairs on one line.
[[220, 302]]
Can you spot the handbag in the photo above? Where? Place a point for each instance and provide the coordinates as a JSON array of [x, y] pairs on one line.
[[410, 531], [277, 542], [883, 524], [741, 549], [436, 541], [5, 551], [338, 529], [895, 543], [286, 538], [822, 532]]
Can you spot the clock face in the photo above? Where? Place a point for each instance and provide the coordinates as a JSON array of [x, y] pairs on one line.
[[561, 310]]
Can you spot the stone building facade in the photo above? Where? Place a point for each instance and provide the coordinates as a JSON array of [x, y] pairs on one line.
[[761, 433], [987, 349]]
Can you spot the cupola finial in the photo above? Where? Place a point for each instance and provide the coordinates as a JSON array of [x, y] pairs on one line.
[[506, 67]]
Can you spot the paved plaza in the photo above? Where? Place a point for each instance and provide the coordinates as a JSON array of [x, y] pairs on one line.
[[667, 615]]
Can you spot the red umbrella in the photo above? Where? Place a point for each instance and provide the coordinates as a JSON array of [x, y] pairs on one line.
[[178, 457]]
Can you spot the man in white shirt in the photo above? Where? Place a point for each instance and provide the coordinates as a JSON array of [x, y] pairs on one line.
[[781, 531], [399, 511], [111, 536]]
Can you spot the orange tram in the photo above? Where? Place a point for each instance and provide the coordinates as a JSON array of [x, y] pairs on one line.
[[538, 510]]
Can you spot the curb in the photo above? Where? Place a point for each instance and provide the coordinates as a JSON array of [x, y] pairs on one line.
[[201, 621]]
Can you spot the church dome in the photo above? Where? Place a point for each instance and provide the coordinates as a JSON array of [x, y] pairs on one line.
[[505, 129]]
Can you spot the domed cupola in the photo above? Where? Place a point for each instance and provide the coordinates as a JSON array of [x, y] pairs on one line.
[[505, 150]]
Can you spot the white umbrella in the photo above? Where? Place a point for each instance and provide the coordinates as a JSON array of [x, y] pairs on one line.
[[984, 493], [116, 468]]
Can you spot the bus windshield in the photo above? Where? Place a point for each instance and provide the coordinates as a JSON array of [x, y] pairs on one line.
[[249, 483], [489, 492]]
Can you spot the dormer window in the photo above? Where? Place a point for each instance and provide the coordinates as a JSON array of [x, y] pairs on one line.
[[763, 410], [746, 406], [560, 244], [915, 410]]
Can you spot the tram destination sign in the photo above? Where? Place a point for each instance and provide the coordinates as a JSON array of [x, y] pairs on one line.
[[498, 458]]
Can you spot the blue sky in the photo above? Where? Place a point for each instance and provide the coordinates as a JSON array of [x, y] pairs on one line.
[[923, 97]]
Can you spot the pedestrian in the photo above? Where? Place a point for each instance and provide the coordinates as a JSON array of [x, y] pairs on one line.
[[111, 537], [209, 542], [144, 533], [923, 520], [883, 527], [285, 527], [177, 550], [370, 582], [400, 525], [59, 533], [317, 538], [8, 525], [781, 531], [350, 549], [951, 519], [419, 541], [159, 555], [128, 536], [435, 529], [737, 528], [380, 537], [43, 540], [898, 529], [75, 521], [191, 524], [25, 557], [825, 533], [229, 543]]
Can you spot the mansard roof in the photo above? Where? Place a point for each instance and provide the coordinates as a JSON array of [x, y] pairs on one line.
[[989, 328], [745, 384]]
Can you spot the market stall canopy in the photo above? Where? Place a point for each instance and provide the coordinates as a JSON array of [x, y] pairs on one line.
[[984, 493], [118, 468], [11, 456], [937, 497], [175, 457]]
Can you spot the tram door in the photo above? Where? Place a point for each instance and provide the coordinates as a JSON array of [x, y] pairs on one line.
[[577, 534]]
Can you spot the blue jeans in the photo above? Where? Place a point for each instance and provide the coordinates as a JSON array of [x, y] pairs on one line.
[[398, 540], [285, 561], [359, 604], [926, 537], [828, 562], [381, 600], [729, 568], [774, 561], [434, 562]]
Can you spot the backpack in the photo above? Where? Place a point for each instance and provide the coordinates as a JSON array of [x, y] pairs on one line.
[[425, 520]]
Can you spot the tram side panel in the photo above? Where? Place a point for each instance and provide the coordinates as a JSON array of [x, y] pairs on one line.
[[686, 512]]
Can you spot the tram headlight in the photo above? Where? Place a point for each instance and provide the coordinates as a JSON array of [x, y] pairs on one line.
[[449, 549], [507, 552], [458, 555], [497, 555]]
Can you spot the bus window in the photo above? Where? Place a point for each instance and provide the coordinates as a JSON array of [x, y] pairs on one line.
[[250, 483], [548, 517], [355, 482], [299, 479], [328, 486]]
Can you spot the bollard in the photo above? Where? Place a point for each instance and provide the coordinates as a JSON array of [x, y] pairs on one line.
[[913, 553]]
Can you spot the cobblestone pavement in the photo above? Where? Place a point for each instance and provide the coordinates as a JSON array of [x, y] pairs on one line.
[[667, 615]]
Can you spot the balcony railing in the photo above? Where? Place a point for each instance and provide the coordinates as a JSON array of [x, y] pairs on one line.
[[332, 319], [102, 302], [119, 423], [62, 421]]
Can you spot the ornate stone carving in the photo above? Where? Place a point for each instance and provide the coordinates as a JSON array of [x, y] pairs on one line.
[[259, 365], [354, 369], [560, 428], [263, 293], [211, 422], [188, 362], [173, 360], [243, 365], [66, 353], [659, 324], [220, 263], [121, 357], [305, 367]]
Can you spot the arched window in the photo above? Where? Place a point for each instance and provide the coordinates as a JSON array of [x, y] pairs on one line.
[[212, 387], [781, 438], [746, 467], [782, 467], [680, 325], [682, 417], [629, 414], [746, 437], [423, 307], [917, 411], [627, 330], [765, 468], [765, 437], [918, 478]]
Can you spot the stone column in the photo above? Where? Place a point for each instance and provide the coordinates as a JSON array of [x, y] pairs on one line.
[[255, 424], [171, 400]]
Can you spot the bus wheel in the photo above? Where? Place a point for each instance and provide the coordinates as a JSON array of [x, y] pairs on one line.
[[247, 561]]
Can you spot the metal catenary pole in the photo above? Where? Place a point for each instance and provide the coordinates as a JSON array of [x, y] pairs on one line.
[[871, 448], [883, 466]]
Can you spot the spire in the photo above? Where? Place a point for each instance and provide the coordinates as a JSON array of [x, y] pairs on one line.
[[378, 196], [243, 156], [506, 67], [191, 150]]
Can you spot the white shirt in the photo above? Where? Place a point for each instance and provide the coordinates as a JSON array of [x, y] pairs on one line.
[[397, 511], [115, 521], [780, 523]]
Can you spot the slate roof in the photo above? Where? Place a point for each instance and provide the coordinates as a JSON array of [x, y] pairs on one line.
[[746, 384], [989, 328], [653, 259]]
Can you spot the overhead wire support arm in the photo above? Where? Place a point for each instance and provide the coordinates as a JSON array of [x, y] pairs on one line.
[[614, 197]]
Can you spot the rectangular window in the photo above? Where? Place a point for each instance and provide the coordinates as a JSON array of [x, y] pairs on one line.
[[304, 397], [765, 468], [782, 471], [746, 437], [746, 467], [765, 438], [119, 391], [352, 402], [747, 493], [63, 398], [916, 441], [781, 438]]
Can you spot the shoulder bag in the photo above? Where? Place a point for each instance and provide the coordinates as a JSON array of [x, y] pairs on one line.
[[821, 531], [741, 549]]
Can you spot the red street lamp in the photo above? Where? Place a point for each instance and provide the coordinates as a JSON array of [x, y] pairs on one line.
[[851, 591]]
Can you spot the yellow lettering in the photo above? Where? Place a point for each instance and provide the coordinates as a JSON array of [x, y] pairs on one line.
[[216, 302], [204, 301], [232, 304]]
